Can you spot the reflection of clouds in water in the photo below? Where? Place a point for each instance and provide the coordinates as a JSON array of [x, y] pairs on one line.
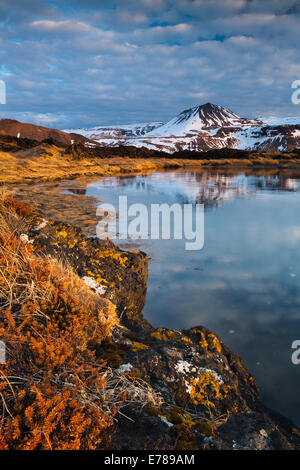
[[292, 234], [261, 335], [226, 259], [205, 187], [247, 277]]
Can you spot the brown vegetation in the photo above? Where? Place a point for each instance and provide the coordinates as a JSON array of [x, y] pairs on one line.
[[51, 387], [29, 161], [56, 391]]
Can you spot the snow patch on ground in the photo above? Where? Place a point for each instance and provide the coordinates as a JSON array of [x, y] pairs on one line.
[[277, 121]]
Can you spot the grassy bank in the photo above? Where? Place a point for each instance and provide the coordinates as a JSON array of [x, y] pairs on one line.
[[48, 162], [55, 393], [49, 166]]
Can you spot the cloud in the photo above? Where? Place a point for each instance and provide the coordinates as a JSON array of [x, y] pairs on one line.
[[58, 27], [90, 63]]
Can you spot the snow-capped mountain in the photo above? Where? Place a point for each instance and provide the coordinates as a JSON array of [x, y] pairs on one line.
[[277, 137], [200, 129], [203, 118], [106, 134]]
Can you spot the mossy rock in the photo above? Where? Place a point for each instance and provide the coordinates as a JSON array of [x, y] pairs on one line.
[[205, 427], [152, 410], [177, 415], [185, 437], [111, 353]]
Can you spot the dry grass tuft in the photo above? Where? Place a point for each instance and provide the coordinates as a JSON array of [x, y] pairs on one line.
[[54, 393]]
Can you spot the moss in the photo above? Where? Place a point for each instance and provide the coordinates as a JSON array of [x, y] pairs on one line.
[[235, 407], [206, 427], [138, 346], [112, 353], [185, 437], [203, 342], [213, 343], [62, 233], [200, 337], [177, 415], [195, 331], [120, 258], [205, 388], [206, 341], [296, 432], [135, 374], [152, 410]]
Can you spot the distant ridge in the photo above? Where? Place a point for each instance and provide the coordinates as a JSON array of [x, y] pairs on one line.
[[198, 129], [39, 133], [201, 129]]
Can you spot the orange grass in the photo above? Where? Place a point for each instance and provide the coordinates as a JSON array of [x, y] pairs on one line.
[[52, 388]]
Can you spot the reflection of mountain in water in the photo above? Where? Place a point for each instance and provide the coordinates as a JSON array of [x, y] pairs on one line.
[[206, 187]]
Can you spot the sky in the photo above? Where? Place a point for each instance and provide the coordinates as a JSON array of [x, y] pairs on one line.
[[72, 63]]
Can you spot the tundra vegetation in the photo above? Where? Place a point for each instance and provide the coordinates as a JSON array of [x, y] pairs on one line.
[[54, 392], [26, 160]]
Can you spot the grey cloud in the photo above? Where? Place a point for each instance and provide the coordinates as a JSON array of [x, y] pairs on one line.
[[83, 65]]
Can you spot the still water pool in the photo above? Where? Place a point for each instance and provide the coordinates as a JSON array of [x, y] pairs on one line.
[[245, 282]]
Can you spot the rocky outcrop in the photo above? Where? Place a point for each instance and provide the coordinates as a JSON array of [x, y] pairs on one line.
[[209, 400], [200, 395], [120, 276]]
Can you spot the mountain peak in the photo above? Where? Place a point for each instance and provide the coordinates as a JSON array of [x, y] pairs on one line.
[[207, 107], [210, 106], [205, 117]]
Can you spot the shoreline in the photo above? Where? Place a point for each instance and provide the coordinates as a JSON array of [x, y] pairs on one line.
[[48, 163], [184, 369], [187, 389], [143, 166], [65, 199]]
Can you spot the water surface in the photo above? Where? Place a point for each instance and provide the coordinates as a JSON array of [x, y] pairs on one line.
[[245, 283]]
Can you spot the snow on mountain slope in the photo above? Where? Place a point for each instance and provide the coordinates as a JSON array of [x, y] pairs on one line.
[[102, 133], [210, 126], [284, 138], [202, 128], [277, 121], [279, 137], [202, 118]]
